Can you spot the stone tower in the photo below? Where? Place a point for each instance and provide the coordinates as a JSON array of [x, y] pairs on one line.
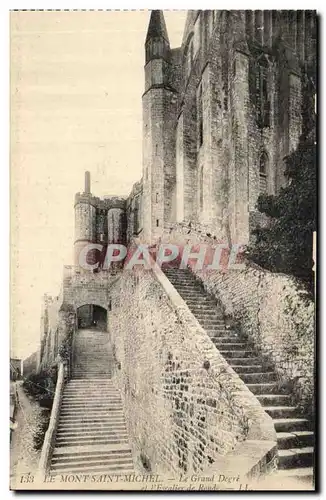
[[159, 108], [85, 219]]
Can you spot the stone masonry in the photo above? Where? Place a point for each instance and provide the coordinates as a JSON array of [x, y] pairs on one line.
[[220, 113]]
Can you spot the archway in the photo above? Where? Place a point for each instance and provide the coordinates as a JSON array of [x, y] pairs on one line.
[[92, 316]]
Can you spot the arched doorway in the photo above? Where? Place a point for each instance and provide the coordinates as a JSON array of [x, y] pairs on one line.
[[92, 316]]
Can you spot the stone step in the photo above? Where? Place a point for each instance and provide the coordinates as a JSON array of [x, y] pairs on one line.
[[211, 323], [185, 280], [87, 403], [193, 289], [271, 399], [92, 378], [76, 402], [296, 457], [242, 369], [200, 301], [99, 364], [246, 353], [89, 384], [91, 433], [210, 317], [263, 388], [301, 473], [298, 439], [88, 426], [90, 394], [291, 424], [94, 397], [97, 440], [62, 467], [64, 430], [110, 413], [217, 332], [85, 394], [94, 381], [223, 339], [114, 469], [101, 350], [234, 346], [84, 419], [196, 307], [79, 451], [96, 369], [92, 452], [281, 411], [97, 412], [90, 387], [259, 377], [245, 361], [92, 437]]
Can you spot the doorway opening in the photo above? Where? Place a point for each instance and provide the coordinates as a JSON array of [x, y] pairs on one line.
[[92, 316]]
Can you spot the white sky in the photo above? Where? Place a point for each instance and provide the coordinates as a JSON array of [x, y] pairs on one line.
[[76, 85]]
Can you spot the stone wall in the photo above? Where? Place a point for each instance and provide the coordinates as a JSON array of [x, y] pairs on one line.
[[186, 408], [272, 309]]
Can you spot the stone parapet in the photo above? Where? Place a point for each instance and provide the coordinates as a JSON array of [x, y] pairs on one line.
[[186, 408]]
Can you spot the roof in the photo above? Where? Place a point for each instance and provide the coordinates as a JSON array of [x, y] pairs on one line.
[[157, 26]]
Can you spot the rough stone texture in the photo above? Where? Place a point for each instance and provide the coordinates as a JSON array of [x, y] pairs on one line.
[[134, 211], [185, 407], [272, 309]]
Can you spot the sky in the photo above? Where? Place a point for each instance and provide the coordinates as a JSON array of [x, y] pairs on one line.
[[76, 85]]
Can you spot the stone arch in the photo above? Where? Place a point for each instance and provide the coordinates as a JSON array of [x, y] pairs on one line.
[[92, 315], [97, 302]]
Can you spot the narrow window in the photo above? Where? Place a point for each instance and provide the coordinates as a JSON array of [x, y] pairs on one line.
[[136, 227], [292, 28], [262, 98], [189, 56], [259, 26], [201, 190], [249, 23], [263, 160], [267, 28], [156, 197], [200, 116], [157, 222]]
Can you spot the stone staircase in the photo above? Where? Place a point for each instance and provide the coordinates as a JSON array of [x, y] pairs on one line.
[[92, 357], [91, 434], [295, 437]]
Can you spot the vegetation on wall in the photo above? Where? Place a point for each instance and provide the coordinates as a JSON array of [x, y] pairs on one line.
[[286, 244], [41, 386]]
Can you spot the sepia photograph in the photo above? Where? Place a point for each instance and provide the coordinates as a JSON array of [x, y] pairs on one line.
[[163, 206]]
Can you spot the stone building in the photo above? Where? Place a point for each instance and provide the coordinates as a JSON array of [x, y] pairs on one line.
[[220, 113]]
